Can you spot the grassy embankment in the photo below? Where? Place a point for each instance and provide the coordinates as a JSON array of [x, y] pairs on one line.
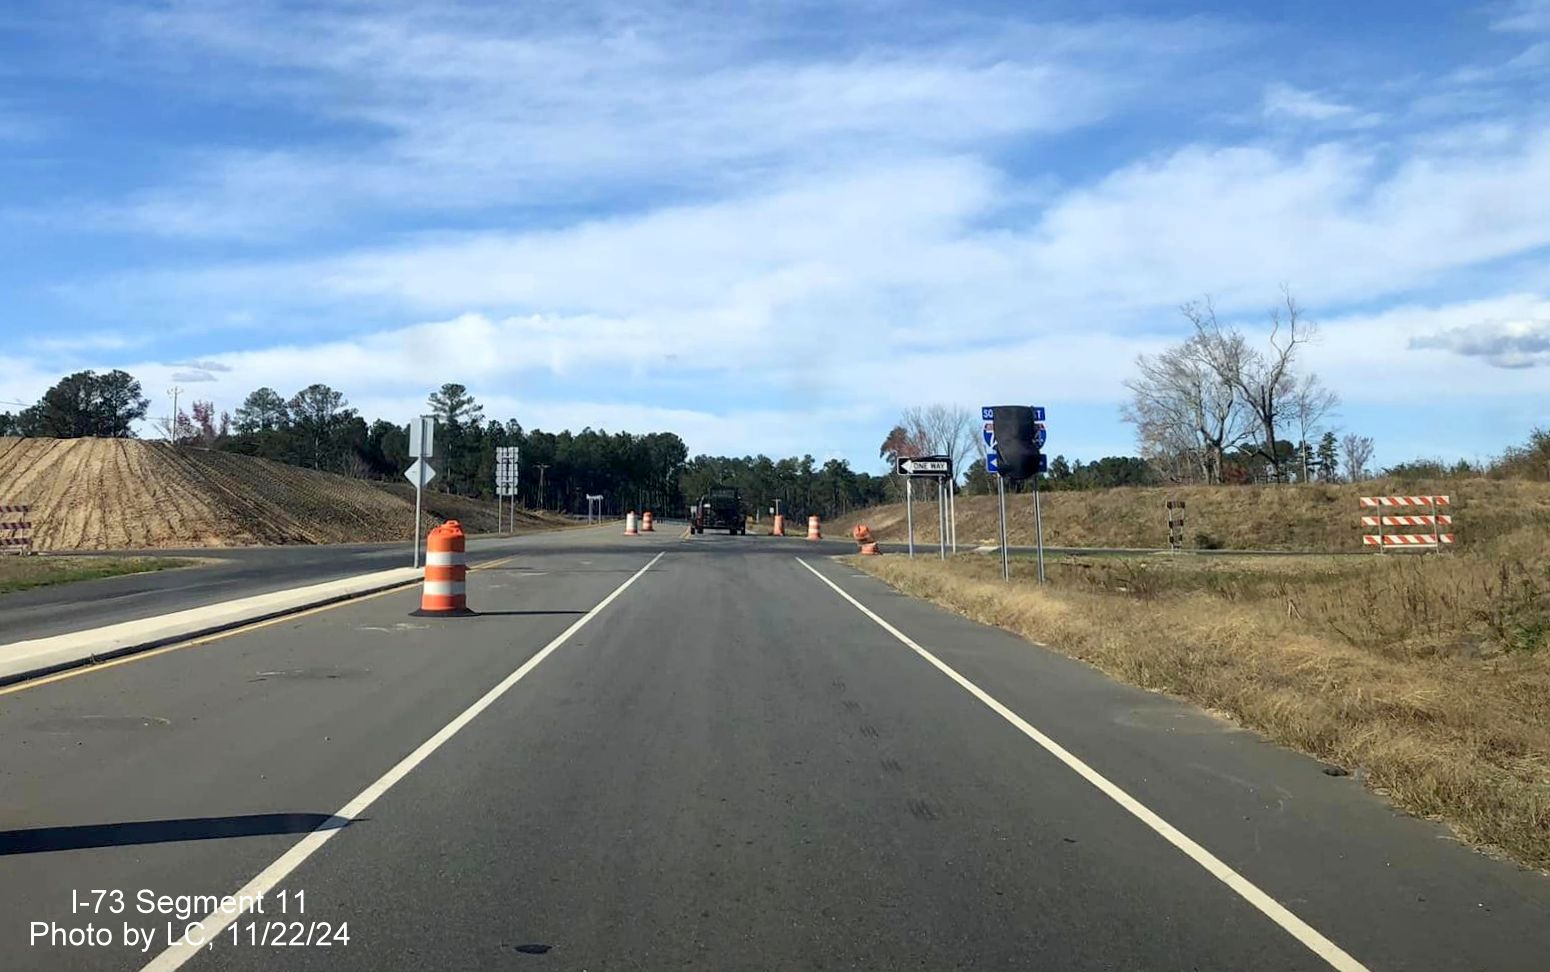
[[1427, 675], [1317, 517], [21, 573]]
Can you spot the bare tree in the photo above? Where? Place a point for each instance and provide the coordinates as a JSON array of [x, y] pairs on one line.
[[1357, 450], [1265, 382], [946, 429], [1184, 413], [1308, 406]]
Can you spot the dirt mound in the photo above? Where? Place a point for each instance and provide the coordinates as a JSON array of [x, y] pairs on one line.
[[105, 494], [1315, 517]]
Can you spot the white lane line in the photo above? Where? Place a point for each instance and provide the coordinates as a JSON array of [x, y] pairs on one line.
[[1245, 889], [267, 879]]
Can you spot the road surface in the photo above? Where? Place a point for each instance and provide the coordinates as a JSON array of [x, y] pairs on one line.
[[707, 753], [225, 574]]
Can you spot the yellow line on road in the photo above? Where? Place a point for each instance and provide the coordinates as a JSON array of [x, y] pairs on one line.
[[89, 668]]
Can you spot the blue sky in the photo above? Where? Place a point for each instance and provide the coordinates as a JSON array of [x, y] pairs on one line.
[[772, 231]]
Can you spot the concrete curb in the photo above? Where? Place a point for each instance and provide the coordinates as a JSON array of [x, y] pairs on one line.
[[22, 660]]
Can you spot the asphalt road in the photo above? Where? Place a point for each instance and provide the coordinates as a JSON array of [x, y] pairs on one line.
[[224, 574], [726, 765]]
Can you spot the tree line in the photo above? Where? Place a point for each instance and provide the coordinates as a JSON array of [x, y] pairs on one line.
[[317, 428], [82, 404], [797, 487]]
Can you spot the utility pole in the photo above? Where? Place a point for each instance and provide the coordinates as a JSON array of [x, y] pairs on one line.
[[541, 468], [172, 426]]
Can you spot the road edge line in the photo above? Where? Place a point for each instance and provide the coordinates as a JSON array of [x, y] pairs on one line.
[[174, 956], [1251, 893]]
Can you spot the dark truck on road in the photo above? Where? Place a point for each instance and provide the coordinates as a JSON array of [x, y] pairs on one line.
[[720, 509]]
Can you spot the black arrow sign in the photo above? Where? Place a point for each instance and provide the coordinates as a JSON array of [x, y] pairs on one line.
[[923, 465]]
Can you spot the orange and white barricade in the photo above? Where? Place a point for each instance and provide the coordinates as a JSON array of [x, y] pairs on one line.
[[16, 529], [645, 523], [445, 593], [812, 528], [1435, 539], [629, 525], [779, 529]]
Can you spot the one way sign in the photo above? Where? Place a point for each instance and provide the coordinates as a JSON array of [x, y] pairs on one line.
[[923, 465]]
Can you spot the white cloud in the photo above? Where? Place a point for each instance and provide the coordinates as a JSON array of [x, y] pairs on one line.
[[1332, 220], [203, 365], [1285, 100], [909, 249], [1524, 16], [814, 292], [480, 106], [85, 342], [1504, 344], [1432, 354]]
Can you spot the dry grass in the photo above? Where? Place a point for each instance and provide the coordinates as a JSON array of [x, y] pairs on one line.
[[482, 515], [1429, 676], [1314, 517]]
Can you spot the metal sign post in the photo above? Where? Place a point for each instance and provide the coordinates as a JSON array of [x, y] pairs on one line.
[[941, 520], [909, 511], [1006, 563], [952, 511], [1038, 526], [422, 436]]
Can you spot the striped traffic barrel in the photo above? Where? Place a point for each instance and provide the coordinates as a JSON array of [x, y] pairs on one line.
[[446, 572]]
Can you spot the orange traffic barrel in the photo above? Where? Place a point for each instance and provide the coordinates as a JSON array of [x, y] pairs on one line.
[[779, 529], [812, 528], [446, 571], [629, 525], [863, 537], [645, 523]]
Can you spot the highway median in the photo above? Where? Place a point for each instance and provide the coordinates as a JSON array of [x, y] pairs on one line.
[[24, 660]]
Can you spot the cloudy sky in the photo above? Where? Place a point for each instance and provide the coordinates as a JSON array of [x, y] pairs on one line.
[[769, 232]]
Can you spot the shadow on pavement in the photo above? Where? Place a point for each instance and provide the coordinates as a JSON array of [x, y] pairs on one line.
[[501, 614], [44, 839]]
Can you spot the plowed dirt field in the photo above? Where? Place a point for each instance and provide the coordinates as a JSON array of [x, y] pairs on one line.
[[108, 494]]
